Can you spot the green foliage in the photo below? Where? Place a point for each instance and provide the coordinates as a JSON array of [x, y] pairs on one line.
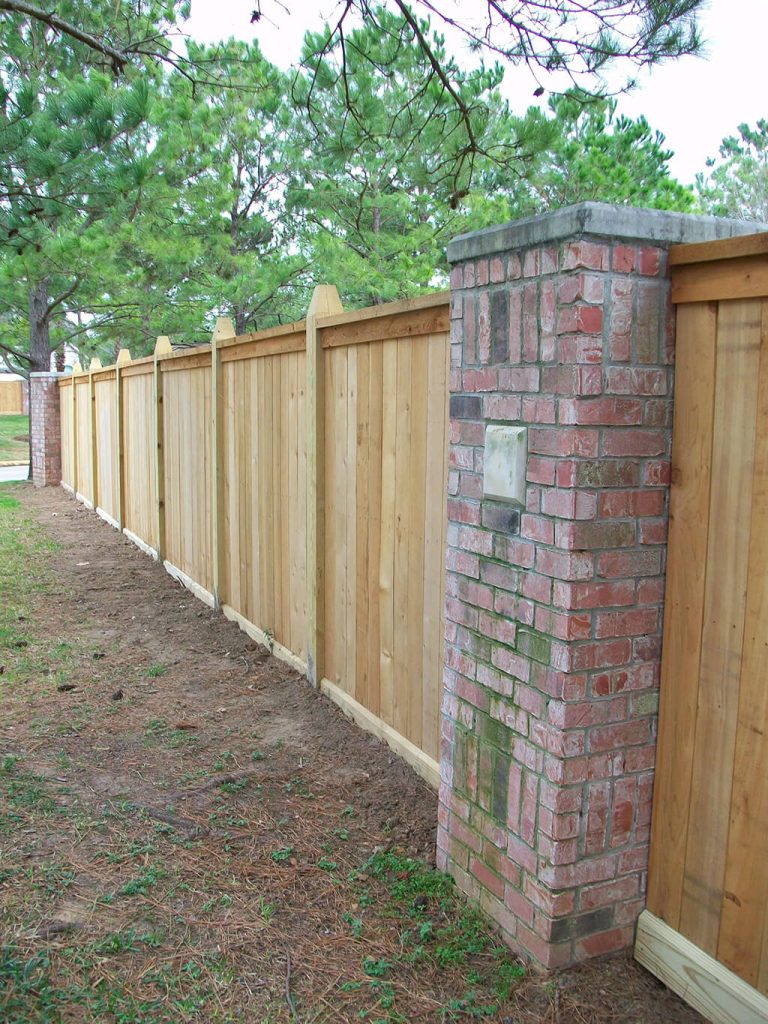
[[72, 148], [282, 855], [148, 204], [142, 883], [438, 929], [376, 968], [556, 35], [597, 155], [736, 185], [388, 169]]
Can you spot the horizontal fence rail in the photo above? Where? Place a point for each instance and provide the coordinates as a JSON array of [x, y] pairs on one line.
[[296, 479]]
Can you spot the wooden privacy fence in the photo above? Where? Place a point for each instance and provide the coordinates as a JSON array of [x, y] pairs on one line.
[[11, 400], [296, 478], [705, 932]]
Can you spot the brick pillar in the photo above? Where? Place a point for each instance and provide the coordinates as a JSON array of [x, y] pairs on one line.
[[561, 324], [45, 428]]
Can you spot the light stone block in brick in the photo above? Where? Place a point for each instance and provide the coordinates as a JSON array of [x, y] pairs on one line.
[[506, 458]]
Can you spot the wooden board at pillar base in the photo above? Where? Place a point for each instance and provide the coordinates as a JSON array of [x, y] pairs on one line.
[[280, 652], [704, 983], [421, 763], [100, 512], [186, 581], [140, 544]]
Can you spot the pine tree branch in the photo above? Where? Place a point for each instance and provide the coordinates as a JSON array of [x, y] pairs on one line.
[[94, 325], [9, 350], [63, 297], [117, 58]]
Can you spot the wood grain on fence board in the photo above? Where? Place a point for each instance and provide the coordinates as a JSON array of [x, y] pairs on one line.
[[83, 436], [11, 396], [730, 506], [105, 419], [684, 604]]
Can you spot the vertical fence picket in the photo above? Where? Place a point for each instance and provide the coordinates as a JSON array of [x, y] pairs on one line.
[[162, 348], [123, 358], [75, 439], [325, 302], [224, 329], [95, 364]]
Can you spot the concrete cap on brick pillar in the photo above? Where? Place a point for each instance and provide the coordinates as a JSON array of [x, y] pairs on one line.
[[598, 219]]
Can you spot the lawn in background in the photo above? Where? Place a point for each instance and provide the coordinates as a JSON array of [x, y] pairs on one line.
[[13, 427]]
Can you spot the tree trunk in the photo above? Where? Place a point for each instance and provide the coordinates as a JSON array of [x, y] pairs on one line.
[[39, 342], [39, 334], [376, 226]]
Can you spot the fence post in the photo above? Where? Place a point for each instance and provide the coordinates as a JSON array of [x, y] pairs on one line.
[[325, 302], [123, 358], [162, 348], [224, 329], [95, 364], [77, 368]]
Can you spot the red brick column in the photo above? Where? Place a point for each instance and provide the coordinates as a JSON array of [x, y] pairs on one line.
[[45, 428], [554, 610]]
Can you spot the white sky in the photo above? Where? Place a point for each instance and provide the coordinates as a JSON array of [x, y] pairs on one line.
[[694, 102]]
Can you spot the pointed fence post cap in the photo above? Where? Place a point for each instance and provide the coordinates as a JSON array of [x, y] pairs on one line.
[[163, 346], [224, 329], [123, 357], [76, 367], [325, 301], [95, 364]]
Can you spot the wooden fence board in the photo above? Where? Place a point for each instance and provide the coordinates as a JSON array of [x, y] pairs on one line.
[[105, 393], [361, 455], [400, 513], [353, 524], [11, 397], [684, 604], [374, 411], [435, 524], [83, 426], [745, 890], [724, 608], [139, 454], [417, 493], [387, 544], [67, 427]]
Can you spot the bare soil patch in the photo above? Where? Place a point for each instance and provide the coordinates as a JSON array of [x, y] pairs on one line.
[[189, 832]]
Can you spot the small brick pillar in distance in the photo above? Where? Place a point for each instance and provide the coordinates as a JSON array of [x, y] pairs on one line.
[[45, 427], [562, 324]]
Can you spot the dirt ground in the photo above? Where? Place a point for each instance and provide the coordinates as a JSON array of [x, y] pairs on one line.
[[188, 832]]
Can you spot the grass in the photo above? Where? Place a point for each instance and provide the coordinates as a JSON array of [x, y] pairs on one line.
[[11, 428], [23, 550]]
